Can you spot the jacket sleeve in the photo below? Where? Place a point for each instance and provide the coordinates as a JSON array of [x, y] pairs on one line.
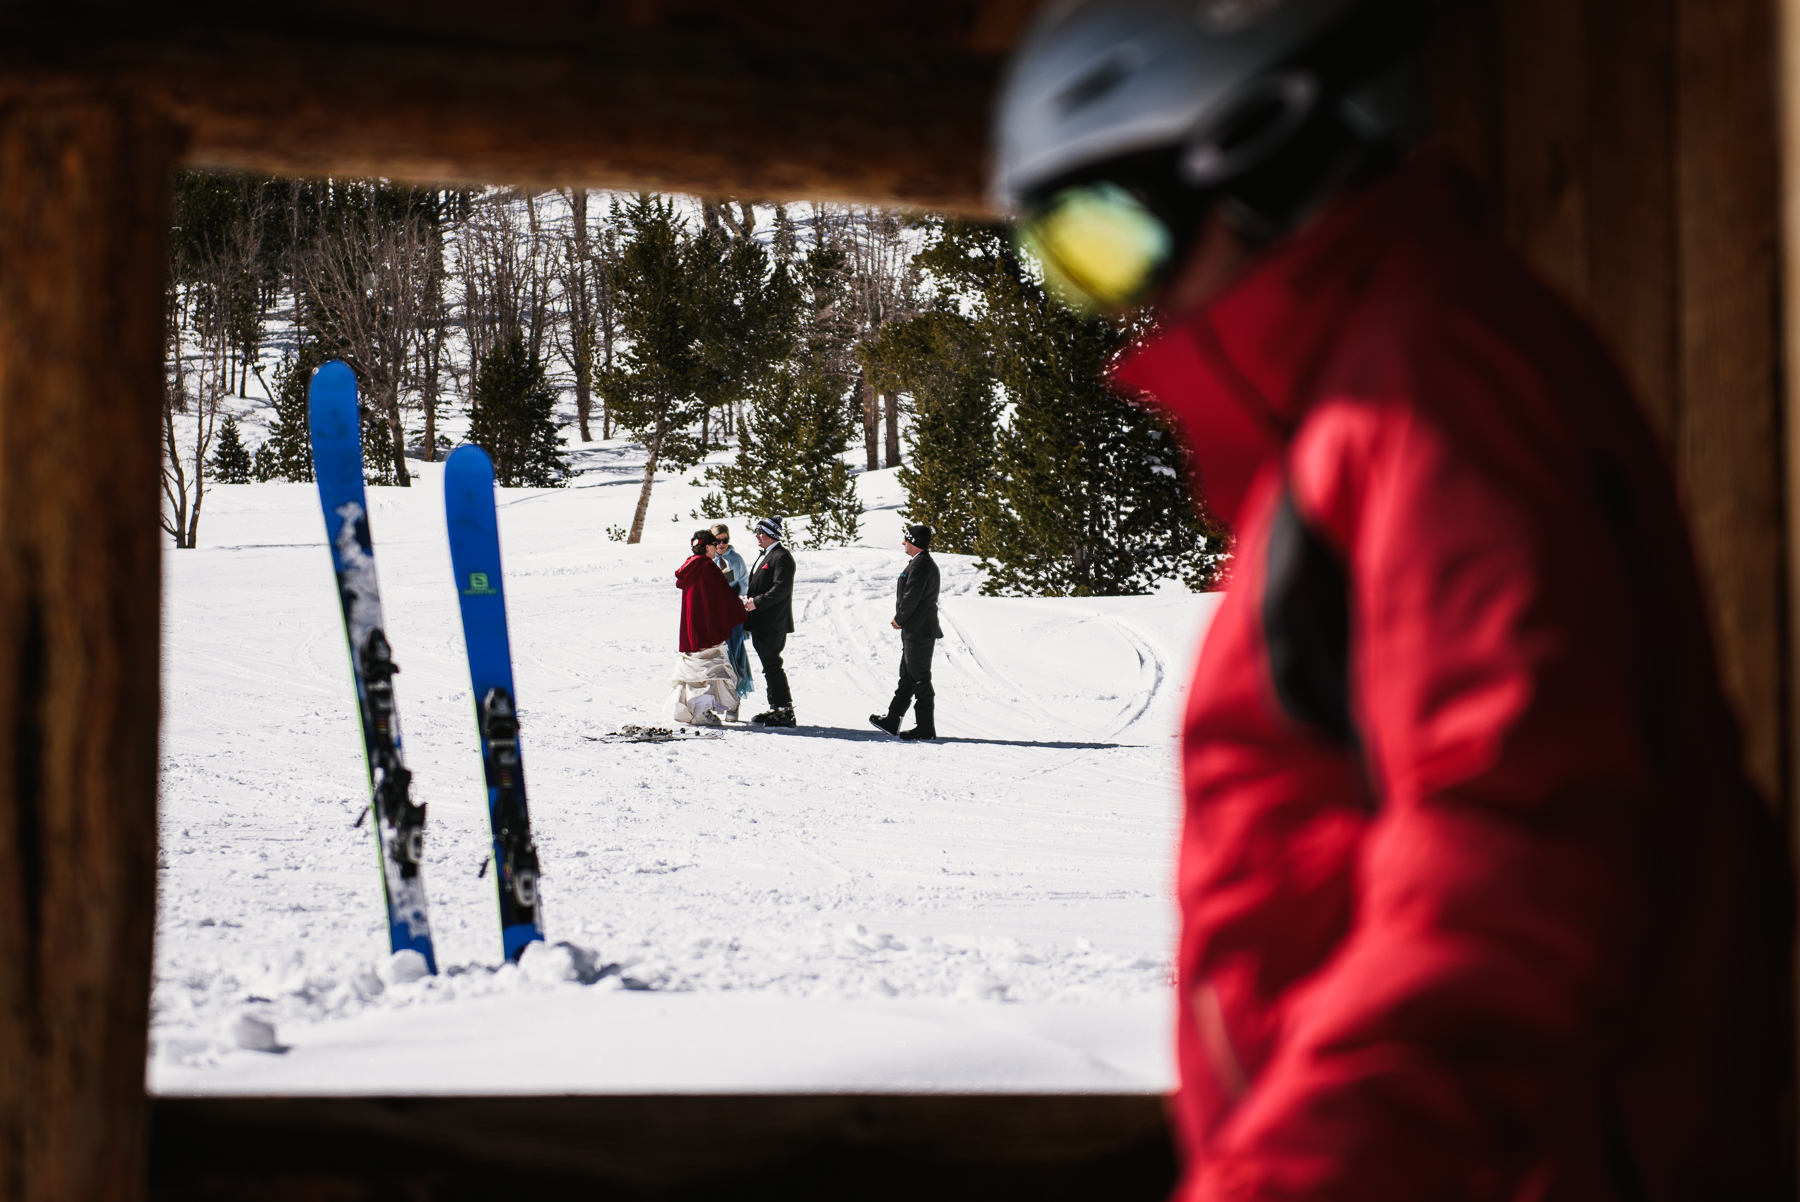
[[907, 596], [1501, 884]]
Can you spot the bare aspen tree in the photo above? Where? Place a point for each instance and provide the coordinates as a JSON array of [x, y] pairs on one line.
[[577, 343], [215, 305], [191, 403], [539, 278], [433, 334], [506, 263], [369, 282], [885, 284], [891, 403]]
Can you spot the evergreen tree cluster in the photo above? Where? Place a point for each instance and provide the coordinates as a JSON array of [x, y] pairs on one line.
[[694, 330], [798, 425], [287, 453], [791, 460], [1020, 452]]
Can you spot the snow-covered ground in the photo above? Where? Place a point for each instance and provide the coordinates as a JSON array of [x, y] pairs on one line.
[[823, 908]]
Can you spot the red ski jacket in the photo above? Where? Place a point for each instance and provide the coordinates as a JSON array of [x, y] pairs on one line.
[[1477, 901]]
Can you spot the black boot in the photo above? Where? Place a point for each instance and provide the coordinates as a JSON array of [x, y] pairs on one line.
[[889, 723], [925, 726], [781, 715]]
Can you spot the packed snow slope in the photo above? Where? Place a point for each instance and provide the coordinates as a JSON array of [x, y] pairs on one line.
[[821, 908]]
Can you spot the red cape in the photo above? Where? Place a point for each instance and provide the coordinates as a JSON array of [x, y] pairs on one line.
[[709, 606]]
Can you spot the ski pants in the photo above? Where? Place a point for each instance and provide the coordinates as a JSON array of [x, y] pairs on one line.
[[915, 681], [769, 645]]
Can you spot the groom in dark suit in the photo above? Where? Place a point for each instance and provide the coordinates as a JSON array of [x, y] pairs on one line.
[[916, 618], [770, 618]]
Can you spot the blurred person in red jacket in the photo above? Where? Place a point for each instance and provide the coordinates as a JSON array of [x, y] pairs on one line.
[[1477, 901]]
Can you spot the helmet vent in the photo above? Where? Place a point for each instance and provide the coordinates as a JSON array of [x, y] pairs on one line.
[[1260, 122], [1103, 78]]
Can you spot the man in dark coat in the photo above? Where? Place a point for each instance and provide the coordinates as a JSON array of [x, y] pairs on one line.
[[770, 618], [916, 618]]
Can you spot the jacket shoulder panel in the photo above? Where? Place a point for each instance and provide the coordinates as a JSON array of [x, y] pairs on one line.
[[1306, 624]]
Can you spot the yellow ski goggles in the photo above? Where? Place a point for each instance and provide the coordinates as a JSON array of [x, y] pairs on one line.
[[1101, 248]]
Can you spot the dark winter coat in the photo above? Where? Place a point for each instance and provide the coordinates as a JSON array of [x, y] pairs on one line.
[[1477, 901], [916, 600], [709, 606], [772, 585]]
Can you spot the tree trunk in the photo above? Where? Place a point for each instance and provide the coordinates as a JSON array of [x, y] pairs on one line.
[[397, 428], [428, 389], [584, 398], [581, 339], [205, 414], [84, 180], [892, 400], [174, 478], [643, 505], [871, 424]]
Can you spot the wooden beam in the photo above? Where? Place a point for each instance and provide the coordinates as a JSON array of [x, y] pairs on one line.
[[884, 100], [944, 1147], [83, 218]]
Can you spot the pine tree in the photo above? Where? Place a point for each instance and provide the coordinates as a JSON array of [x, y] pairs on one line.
[[1068, 490], [287, 453], [941, 358], [790, 460], [1089, 496], [706, 320], [377, 441], [231, 462], [513, 418]]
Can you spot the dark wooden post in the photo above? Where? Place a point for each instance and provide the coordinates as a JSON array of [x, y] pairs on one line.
[[1729, 451], [1632, 147], [84, 178]]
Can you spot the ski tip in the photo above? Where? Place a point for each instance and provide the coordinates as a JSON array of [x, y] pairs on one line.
[[331, 402], [333, 377], [469, 459]]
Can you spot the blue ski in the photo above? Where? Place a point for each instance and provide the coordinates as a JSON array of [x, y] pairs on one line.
[[475, 561], [399, 821]]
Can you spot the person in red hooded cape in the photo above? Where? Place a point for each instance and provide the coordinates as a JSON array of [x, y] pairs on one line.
[[704, 684], [710, 608], [1477, 900]]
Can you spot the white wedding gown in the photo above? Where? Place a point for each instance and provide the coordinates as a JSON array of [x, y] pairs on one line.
[[705, 688]]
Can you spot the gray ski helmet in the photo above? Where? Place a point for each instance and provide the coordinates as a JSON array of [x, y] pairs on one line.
[[1096, 80]]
